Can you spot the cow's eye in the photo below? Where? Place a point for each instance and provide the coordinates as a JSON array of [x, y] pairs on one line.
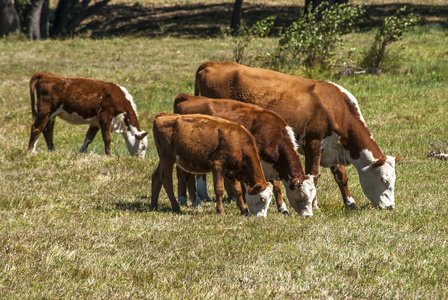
[[385, 181]]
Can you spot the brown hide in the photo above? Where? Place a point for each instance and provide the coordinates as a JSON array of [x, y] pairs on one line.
[[202, 144], [269, 130], [83, 101], [314, 109]]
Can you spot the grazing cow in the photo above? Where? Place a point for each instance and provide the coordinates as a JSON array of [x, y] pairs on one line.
[[103, 105], [330, 129], [230, 152], [275, 142]]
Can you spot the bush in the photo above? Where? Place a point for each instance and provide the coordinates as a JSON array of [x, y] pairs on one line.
[[391, 31], [260, 29], [311, 39]]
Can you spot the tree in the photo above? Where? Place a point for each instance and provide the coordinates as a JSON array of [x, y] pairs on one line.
[[70, 13], [236, 17], [9, 19], [32, 16]]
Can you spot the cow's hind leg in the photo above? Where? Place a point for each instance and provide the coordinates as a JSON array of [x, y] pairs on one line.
[[48, 134], [90, 135], [218, 180], [163, 176], [281, 205], [186, 180], [201, 182], [340, 175], [36, 129]]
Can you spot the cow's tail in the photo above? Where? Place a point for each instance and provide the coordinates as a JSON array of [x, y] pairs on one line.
[[33, 83], [196, 83]]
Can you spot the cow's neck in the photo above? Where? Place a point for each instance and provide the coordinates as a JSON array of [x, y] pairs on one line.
[[364, 150], [254, 171]]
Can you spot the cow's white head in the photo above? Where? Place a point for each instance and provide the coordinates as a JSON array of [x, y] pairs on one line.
[[301, 195], [258, 203], [136, 142], [378, 182]]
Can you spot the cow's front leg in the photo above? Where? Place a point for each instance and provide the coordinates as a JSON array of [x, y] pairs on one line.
[[237, 192], [281, 205], [90, 135], [313, 154], [106, 126], [340, 175]]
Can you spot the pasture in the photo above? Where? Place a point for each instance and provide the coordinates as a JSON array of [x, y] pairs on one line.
[[79, 225]]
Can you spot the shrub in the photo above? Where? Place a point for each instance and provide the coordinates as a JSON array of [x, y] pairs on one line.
[[391, 31], [312, 38], [260, 29]]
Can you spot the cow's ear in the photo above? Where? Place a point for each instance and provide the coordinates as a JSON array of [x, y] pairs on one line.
[[397, 159], [141, 136], [378, 163]]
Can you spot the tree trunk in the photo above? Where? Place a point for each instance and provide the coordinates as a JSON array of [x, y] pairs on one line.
[[9, 19], [236, 17], [38, 20]]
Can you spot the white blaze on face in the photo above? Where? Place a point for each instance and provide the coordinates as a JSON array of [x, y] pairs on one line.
[[301, 199], [258, 204], [136, 146], [378, 183]]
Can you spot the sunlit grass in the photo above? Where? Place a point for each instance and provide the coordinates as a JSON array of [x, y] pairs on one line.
[[79, 225]]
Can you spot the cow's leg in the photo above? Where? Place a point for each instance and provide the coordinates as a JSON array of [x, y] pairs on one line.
[[90, 135], [163, 175], [181, 187], [237, 192], [48, 134], [106, 126], [201, 182], [186, 180], [218, 181], [36, 129], [313, 154], [340, 175], [229, 190], [281, 205]]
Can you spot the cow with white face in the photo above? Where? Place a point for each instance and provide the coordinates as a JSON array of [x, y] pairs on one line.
[[326, 118], [104, 106]]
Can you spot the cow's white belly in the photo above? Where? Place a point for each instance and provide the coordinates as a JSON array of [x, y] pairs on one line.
[[74, 118]]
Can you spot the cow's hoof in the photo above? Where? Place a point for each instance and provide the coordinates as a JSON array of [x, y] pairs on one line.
[[182, 201], [283, 209], [196, 204], [245, 212], [352, 206]]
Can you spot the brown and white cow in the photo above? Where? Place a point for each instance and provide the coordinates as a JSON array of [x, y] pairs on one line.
[[230, 152], [326, 117], [275, 142], [103, 105]]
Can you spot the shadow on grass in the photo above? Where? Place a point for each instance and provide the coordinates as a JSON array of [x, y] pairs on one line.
[[210, 20]]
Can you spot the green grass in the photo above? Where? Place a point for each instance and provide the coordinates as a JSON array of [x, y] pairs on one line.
[[79, 226]]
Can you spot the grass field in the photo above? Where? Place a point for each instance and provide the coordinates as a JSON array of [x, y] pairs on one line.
[[79, 226]]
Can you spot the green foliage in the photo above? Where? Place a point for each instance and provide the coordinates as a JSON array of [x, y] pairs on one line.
[[391, 30], [260, 29], [311, 40]]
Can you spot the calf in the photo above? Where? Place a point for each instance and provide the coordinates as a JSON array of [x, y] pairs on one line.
[[275, 142], [230, 152], [325, 117], [103, 105]]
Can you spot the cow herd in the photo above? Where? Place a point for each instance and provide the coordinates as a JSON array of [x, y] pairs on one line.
[[245, 125]]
